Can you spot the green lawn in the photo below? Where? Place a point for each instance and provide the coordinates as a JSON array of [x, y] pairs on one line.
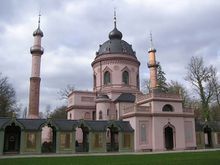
[[195, 158]]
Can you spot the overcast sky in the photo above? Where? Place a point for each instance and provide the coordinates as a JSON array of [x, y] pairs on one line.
[[73, 30]]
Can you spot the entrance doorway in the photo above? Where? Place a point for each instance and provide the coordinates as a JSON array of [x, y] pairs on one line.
[[208, 137], [12, 139], [169, 138], [48, 139], [112, 139], [82, 139]]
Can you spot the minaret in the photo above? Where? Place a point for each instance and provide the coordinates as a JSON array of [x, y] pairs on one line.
[[152, 65], [34, 93]]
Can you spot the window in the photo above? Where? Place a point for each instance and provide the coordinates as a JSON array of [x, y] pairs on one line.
[[70, 116], [94, 81], [218, 138], [127, 140], [100, 114], [107, 78], [98, 140], [167, 108], [87, 116], [138, 84], [198, 138], [65, 140], [31, 141], [143, 132], [93, 115], [107, 112], [125, 77]]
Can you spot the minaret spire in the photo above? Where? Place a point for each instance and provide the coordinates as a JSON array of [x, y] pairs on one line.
[[151, 43], [152, 64], [115, 33], [115, 17], [34, 93], [39, 20]]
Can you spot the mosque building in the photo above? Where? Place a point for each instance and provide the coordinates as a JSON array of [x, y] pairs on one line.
[[115, 117]]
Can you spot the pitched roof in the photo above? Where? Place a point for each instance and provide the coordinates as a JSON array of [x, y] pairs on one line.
[[69, 125], [126, 97], [31, 124], [214, 125]]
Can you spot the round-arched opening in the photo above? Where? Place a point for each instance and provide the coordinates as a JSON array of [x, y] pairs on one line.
[[82, 139], [112, 139], [208, 136], [107, 78], [48, 138], [169, 138], [125, 77], [167, 108], [12, 139]]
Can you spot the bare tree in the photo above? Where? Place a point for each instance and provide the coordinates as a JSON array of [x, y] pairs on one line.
[[176, 87], [145, 86], [7, 97], [47, 111], [216, 87], [201, 77], [64, 93]]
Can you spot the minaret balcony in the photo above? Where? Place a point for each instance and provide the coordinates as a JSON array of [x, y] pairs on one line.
[[150, 65], [37, 49]]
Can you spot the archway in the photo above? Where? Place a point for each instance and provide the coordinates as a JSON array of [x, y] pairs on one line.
[[12, 139], [48, 137], [82, 139], [112, 139], [208, 136], [169, 138]]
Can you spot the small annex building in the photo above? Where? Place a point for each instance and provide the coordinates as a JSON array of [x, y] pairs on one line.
[[207, 134], [24, 136]]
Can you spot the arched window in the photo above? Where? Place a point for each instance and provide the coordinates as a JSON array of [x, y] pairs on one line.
[[107, 78], [87, 116], [94, 81], [100, 114], [167, 108], [138, 83], [125, 77]]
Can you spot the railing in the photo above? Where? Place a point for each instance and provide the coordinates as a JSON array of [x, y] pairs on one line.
[[167, 95], [158, 95], [188, 110], [37, 49], [112, 117], [137, 109]]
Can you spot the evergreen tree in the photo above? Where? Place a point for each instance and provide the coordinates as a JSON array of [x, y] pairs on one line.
[[161, 79], [59, 113]]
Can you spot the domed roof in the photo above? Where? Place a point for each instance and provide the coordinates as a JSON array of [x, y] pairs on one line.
[[38, 32], [115, 44], [115, 34]]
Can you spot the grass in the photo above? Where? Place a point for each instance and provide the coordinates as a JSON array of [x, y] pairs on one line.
[[188, 158]]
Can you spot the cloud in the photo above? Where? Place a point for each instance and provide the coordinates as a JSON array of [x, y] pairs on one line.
[[73, 31]]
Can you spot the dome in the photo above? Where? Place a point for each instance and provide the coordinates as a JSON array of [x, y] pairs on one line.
[[38, 32], [115, 34], [114, 46]]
